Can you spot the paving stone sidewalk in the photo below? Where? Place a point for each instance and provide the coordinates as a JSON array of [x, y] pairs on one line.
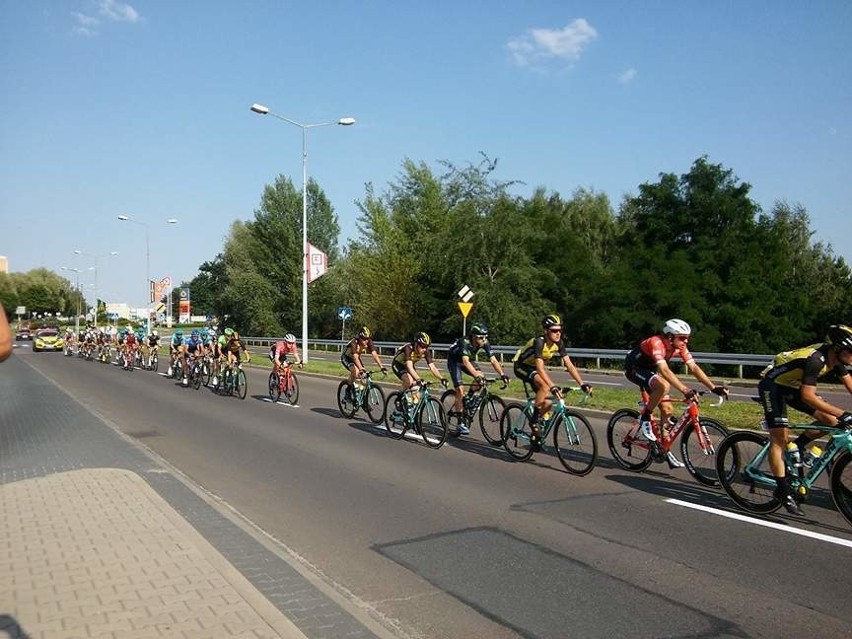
[[99, 538]]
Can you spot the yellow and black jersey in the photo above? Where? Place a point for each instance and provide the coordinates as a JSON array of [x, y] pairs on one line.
[[803, 367], [409, 352], [538, 348]]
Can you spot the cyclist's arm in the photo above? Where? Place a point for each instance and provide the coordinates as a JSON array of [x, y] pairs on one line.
[[497, 367], [572, 370], [699, 374], [470, 368], [669, 375], [809, 395], [434, 370], [409, 367], [541, 369], [376, 358]]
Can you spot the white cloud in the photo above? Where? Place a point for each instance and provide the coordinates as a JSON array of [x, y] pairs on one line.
[[538, 45], [86, 25], [117, 11], [627, 76]]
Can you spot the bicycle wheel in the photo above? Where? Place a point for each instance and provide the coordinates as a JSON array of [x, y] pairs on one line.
[[195, 377], [628, 447], [742, 465], [346, 400], [575, 443], [432, 422], [699, 453], [291, 391], [274, 386], [374, 403], [155, 362], [395, 419], [841, 484], [516, 436], [207, 372], [489, 419], [241, 384]]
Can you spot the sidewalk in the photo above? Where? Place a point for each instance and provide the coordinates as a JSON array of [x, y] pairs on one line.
[[97, 553], [100, 538]]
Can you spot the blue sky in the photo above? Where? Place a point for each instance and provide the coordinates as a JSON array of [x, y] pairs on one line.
[[142, 109]]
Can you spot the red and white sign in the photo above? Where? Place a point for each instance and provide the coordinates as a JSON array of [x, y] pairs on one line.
[[317, 263], [162, 288]]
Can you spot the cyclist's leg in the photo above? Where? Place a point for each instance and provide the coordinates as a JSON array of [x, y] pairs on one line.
[[455, 369]]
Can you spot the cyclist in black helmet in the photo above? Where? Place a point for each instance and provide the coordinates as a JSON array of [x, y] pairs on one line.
[[361, 344], [461, 358], [791, 380], [530, 366], [411, 353]]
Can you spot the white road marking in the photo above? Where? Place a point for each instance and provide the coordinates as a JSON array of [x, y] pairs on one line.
[[767, 524]]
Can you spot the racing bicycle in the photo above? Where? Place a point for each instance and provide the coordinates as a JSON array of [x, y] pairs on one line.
[[364, 393], [699, 440], [415, 409], [285, 383], [573, 438], [488, 406], [743, 466]]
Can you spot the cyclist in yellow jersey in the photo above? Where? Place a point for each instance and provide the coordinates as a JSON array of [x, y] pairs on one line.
[[408, 355], [530, 366], [791, 380], [352, 352]]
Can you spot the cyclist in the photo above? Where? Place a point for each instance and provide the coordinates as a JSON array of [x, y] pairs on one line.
[[408, 355], [461, 358], [231, 345], [281, 349], [189, 350], [129, 348], [153, 346], [175, 344], [529, 366], [351, 355], [647, 366], [791, 380]]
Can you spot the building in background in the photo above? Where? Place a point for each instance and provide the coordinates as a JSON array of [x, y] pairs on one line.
[[4, 264]]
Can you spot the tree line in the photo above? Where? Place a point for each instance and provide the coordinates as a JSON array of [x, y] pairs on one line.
[[694, 246]]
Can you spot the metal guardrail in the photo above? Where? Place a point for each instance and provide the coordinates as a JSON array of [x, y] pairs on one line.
[[504, 353]]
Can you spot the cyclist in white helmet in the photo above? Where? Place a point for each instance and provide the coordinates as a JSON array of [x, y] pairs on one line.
[[281, 349], [647, 366]]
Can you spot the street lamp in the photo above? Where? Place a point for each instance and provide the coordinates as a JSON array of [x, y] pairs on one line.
[[76, 271], [262, 110], [95, 268], [127, 218]]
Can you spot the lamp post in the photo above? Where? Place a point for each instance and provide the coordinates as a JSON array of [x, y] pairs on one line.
[[95, 268], [148, 291], [148, 288], [76, 271], [262, 110]]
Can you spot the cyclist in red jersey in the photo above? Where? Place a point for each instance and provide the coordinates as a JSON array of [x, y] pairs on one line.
[[647, 366], [279, 352]]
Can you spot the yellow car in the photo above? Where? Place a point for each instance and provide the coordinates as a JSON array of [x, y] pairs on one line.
[[48, 339]]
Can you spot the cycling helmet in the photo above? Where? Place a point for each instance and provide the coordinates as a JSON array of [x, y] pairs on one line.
[[179, 332], [839, 335], [290, 338], [423, 339], [365, 333], [552, 321], [677, 327], [205, 332], [478, 328], [229, 331], [154, 332], [195, 334]]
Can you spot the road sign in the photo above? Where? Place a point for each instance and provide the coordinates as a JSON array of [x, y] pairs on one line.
[[465, 307], [160, 307], [344, 313], [465, 294], [21, 310]]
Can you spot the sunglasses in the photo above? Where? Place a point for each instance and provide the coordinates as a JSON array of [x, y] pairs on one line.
[[554, 330]]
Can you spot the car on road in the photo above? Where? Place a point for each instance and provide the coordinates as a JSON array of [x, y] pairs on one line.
[[23, 332], [48, 339]]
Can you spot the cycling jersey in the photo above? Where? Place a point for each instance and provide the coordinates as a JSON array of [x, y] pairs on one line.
[[654, 350], [153, 341], [176, 341], [463, 347], [802, 366], [281, 349], [407, 353], [538, 348], [193, 344], [130, 339]]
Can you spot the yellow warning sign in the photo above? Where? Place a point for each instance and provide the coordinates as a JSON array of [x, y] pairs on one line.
[[465, 307]]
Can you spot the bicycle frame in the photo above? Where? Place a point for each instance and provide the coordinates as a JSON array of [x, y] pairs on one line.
[[840, 441]]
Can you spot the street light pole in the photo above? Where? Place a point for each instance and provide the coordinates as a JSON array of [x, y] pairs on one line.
[[262, 110], [127, 218], [95, 267]]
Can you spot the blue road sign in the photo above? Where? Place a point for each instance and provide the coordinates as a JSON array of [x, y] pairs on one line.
[[344, 313]]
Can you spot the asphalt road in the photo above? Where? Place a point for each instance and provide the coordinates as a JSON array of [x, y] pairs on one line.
[[463, 542]]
